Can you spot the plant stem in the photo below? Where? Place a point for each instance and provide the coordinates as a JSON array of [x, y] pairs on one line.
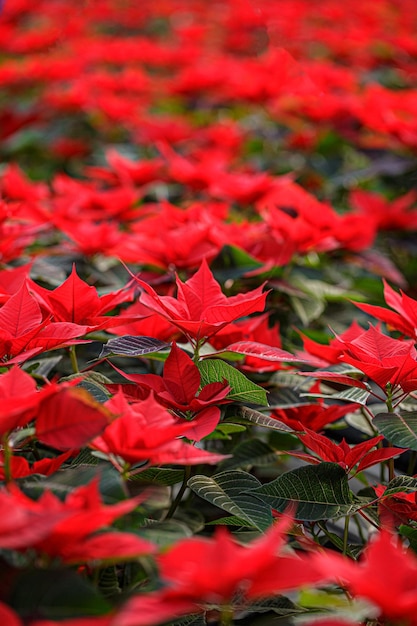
[[74, 361], [175, 503], [7, 458], [412, 462], [346, 535], [226, 616]]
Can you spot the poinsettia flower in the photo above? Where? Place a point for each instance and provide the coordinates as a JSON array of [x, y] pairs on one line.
[[385, 575], [322, 355], [313, 416], [58, 528], [145, 432], [19, 398], [395, 509], [77, 302], [25, 331], [200, 572], [383, 359], [20, 467], [255, 329], [179, 389], [403, 317], [357, 457], [201, 308]]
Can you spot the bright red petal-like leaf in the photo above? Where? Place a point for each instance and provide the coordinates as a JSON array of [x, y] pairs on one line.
[[181, 375], [70, 419]]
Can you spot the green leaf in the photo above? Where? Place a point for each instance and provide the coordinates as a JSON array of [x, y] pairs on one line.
[[63, 483], [401, 484], [165, 533], [232, 520], [250, 452], [242, 389], [399, 428], [280, 605], [256, 417], [56, 594], [160, 476], [307, 309], [320, 491], [352, 394], [132, 346], [230, 491]]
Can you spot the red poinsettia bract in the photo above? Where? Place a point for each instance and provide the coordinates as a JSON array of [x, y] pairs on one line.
[[386, 576], [179, 390], [203, 573], [201, 308], [145, 432], [67, 530], [404, 316]]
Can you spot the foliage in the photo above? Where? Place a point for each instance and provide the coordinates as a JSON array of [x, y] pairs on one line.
[[208, 313]]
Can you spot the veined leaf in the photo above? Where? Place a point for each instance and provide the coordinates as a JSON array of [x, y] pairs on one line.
[[320, 491], [250, 452], [133, 346], [401, 484], [160, 475], [231, 491], [353, 394], [399, 428], [242, 389], [256, 417], [260, 350]]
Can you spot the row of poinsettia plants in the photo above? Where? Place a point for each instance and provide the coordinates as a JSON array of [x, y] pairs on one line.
[[208, 313]]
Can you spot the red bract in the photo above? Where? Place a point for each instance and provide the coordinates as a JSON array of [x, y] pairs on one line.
[[389, 215], [19, 466], [24, 331], [147, 432], [139, 321], [313, 416], [404, 316], [19, 399], [77, 302], [396, 509], [179, 389], [59, 529], [255, 329], [385, 575], [70, 418], [383, 359], [358, 457], [201, 308], [320, 355], [202, 572]]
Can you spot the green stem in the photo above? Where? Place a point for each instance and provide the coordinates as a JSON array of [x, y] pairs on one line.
[[74, 361], [7, 459], [412, 462], [226, 616], [388, 401], [175, 503], [346, 535]]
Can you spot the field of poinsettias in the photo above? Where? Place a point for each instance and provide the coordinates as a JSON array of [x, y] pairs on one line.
[[208, 312]]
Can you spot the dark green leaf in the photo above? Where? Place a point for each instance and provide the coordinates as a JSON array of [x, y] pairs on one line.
[[133, 346], [320, 492], [250, 452], [160, 475], [56, 594], [399, 428], [401, 484], [242, 389], [230, 491], [256, 417]]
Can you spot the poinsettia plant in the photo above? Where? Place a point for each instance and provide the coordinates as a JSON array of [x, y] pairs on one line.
[[208, 312]]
